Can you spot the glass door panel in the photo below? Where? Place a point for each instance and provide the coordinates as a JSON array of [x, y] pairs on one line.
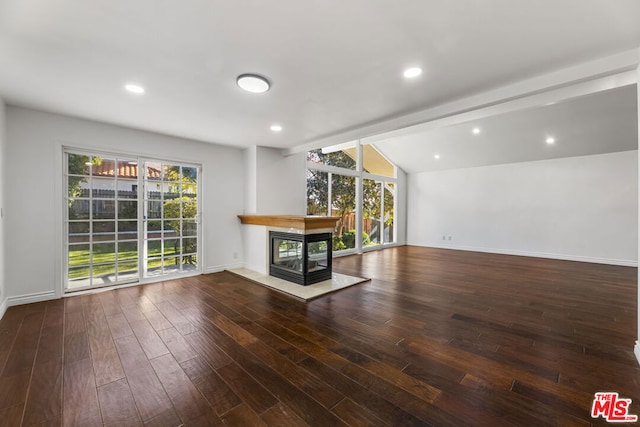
[[101, 217], [377, 212], [371, 208], [389, 208], [342, 198], [171, 219]]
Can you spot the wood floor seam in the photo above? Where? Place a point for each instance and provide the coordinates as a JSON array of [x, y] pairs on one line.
[[437, 337]]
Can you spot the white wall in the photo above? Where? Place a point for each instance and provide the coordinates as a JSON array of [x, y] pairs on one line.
[[3, 294], [637, 346], [250, 180], [33, 200], [281, 183], [579, 208], [274, 184], [401, 208]]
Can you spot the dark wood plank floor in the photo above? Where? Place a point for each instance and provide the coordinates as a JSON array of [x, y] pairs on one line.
[[437, 337]]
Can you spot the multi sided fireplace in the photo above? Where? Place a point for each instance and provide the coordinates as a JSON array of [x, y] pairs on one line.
[[296, 248], [300, 258]]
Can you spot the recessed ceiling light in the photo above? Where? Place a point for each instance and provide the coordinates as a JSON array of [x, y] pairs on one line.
[[134, 88], [412, 72], [475, 131], [253, 83], [550, 140], [437, 156], [276, 128]]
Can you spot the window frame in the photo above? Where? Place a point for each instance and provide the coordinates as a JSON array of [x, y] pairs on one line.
[[360, 175], [140, 219]]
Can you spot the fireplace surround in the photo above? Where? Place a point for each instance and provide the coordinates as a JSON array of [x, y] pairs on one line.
[[304, 259], [296, 248]]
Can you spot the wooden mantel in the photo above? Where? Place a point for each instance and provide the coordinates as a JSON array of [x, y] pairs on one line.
[[301, 222]]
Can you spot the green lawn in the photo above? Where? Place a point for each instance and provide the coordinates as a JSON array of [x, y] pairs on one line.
[[105, 256]]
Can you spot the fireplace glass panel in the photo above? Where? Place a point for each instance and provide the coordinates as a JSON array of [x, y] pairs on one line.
[[317, 256], [287, 254]]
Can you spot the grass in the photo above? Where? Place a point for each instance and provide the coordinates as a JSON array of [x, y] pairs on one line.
[[104, 257]]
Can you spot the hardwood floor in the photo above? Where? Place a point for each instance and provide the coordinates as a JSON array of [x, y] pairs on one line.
[[437, 337]]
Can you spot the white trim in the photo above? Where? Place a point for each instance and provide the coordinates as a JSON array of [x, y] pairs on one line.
[[359, 211], [59, 191], [29, 298], [219, 268], [3, 308], [332, 169], [147, 281], [374, 248], [94, 290], [345, 252], [636, 351], [564, 257]]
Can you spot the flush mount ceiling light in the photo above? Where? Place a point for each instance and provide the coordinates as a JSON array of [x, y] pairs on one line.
[[276, 128], [134, 88], [253, 83], [550, 140], [475, 131], [437, 156], [412, 72]]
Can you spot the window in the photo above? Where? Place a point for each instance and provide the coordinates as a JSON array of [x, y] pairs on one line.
[[341, 156], [105, 220], [377, 212], [335, 177]]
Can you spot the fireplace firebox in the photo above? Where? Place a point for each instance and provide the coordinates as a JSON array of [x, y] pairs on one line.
[[300, 258]]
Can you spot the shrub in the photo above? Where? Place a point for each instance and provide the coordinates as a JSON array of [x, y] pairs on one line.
[[337, 244], [348, 239]]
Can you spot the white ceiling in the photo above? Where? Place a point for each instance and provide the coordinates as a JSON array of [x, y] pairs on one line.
[[335, 65], [598, 123]]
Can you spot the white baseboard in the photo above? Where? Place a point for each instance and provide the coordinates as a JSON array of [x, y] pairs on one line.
[[29, 298], [3, 307], [219, 268], [579, 258], [636, 351]]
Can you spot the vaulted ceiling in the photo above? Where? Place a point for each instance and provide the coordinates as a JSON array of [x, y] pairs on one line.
[[598, 123], [335, 66]]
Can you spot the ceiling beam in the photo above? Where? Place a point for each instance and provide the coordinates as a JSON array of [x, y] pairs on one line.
[[581, 79]]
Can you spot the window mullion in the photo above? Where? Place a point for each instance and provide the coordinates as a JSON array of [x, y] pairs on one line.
[[329, 194], [359, 198], [380, 185], [142, 217]]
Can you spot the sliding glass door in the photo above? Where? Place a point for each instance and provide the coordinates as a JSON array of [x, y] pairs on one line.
[[170, 218], [127, 219]]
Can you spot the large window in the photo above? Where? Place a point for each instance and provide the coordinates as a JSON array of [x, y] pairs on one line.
[[357, 184], [127, 219]]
